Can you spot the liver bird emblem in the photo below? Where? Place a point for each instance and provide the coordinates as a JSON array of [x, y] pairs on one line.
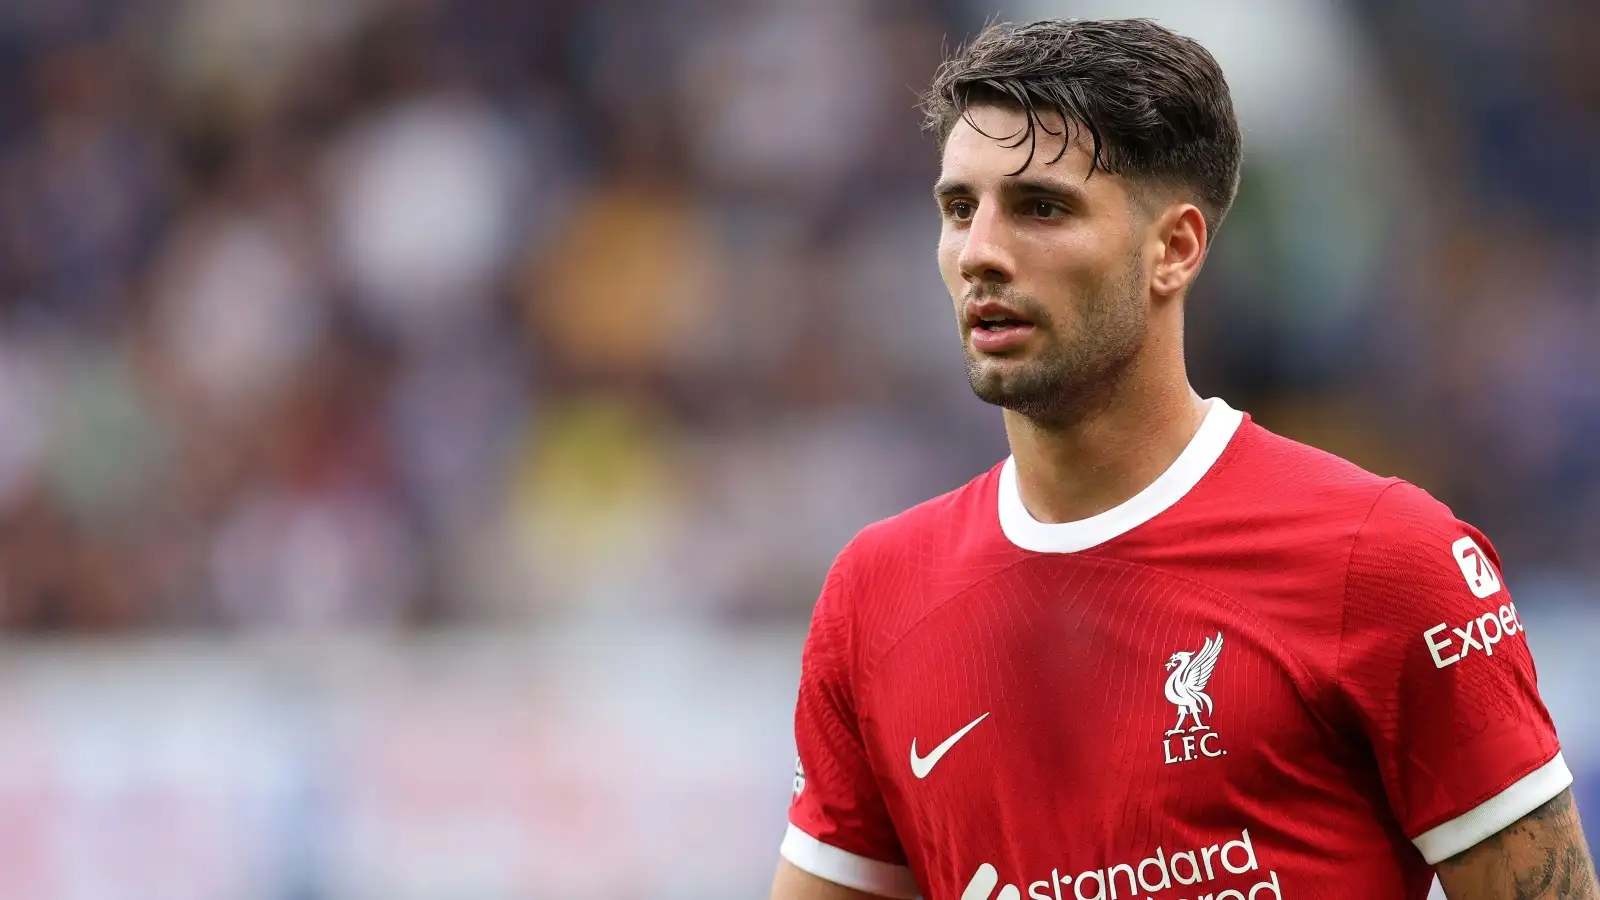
[[1186, 686]]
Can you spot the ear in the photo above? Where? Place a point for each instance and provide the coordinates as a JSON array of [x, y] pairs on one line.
[[1181, 238]]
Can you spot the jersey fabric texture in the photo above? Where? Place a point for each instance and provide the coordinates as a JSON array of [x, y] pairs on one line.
[[1270, 674]]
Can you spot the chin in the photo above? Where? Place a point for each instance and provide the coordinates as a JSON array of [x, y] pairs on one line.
[[1010, 359], [1030, 387], [1001, 388], [1020, 365]]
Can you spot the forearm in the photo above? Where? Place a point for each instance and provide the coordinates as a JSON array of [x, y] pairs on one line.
[[1542, 856]]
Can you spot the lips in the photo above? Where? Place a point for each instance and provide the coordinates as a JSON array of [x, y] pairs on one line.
[[997, 327], [993, 314]]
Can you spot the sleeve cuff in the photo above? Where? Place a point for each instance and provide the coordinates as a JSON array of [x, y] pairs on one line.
[[1495, 813], [842, 867]]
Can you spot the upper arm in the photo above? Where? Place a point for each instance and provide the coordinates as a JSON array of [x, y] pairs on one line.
[[1437, 673], [1541, 856], [795, 883], [840, 829]]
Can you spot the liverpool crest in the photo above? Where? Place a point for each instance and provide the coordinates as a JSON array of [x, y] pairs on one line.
[[1186, 689]]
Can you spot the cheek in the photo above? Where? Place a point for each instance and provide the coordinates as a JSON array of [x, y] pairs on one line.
[[950, 260], [1085, 262]]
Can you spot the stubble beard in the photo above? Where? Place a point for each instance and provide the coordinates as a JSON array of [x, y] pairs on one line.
[[1073, 375]]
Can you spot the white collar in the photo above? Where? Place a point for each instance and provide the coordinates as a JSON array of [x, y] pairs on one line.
[[1022, 529]]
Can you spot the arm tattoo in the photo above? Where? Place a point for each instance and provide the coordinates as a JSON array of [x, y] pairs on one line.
[[1542, 856]]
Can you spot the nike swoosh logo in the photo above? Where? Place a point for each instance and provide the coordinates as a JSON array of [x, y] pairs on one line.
[[922, 765]]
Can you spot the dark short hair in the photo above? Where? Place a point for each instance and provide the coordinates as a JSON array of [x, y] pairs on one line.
[[1154, 103]]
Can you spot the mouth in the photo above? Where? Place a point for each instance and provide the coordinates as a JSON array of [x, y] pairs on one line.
[[1000, 324], [994, 319], [992, 315], [997, 331]]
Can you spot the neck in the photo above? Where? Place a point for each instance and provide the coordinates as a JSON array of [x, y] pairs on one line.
[[1074, 470]]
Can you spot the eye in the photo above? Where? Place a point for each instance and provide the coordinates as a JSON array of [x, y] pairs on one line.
[[960, 210], [1046, 209]]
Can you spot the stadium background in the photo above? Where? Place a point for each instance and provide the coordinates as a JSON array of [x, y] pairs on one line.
[[424, 425]]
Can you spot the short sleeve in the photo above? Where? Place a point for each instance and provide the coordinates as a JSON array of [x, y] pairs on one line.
[[1434, 662], [839, 827]]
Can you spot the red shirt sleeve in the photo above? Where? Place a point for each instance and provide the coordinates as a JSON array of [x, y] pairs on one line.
[[839, 826], [1434, 663]]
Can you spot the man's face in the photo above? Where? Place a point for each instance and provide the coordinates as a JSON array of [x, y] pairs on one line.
[[1044, 266]]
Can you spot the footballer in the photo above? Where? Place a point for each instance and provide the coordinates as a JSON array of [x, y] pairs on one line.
[[1158, 652]]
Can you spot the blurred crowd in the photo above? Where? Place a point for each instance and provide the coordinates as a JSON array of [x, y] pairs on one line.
[[319, 314]]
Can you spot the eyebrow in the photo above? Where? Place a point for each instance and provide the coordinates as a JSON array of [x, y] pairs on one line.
[[1022, 187]]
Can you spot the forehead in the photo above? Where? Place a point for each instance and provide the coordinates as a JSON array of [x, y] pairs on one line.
[[990, 153]]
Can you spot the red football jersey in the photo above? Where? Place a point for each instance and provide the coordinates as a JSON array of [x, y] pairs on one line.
[[1270, 674]]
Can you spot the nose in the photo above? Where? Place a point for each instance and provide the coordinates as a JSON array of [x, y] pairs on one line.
[[986, 257]]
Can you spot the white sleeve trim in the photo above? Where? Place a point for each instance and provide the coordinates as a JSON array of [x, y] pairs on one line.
[[842, 867], [1495, 813]]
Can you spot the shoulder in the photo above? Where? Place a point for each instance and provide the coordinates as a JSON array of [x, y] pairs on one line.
[[1275, 508], [1415, 571], [1382, 561], [896, 569], [1412, 543], [1376, 517], [1299, 474], [933, 529], [1405, 518], [1299, 529]]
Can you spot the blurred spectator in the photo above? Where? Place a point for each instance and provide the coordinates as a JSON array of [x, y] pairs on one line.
[[424, 205]]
